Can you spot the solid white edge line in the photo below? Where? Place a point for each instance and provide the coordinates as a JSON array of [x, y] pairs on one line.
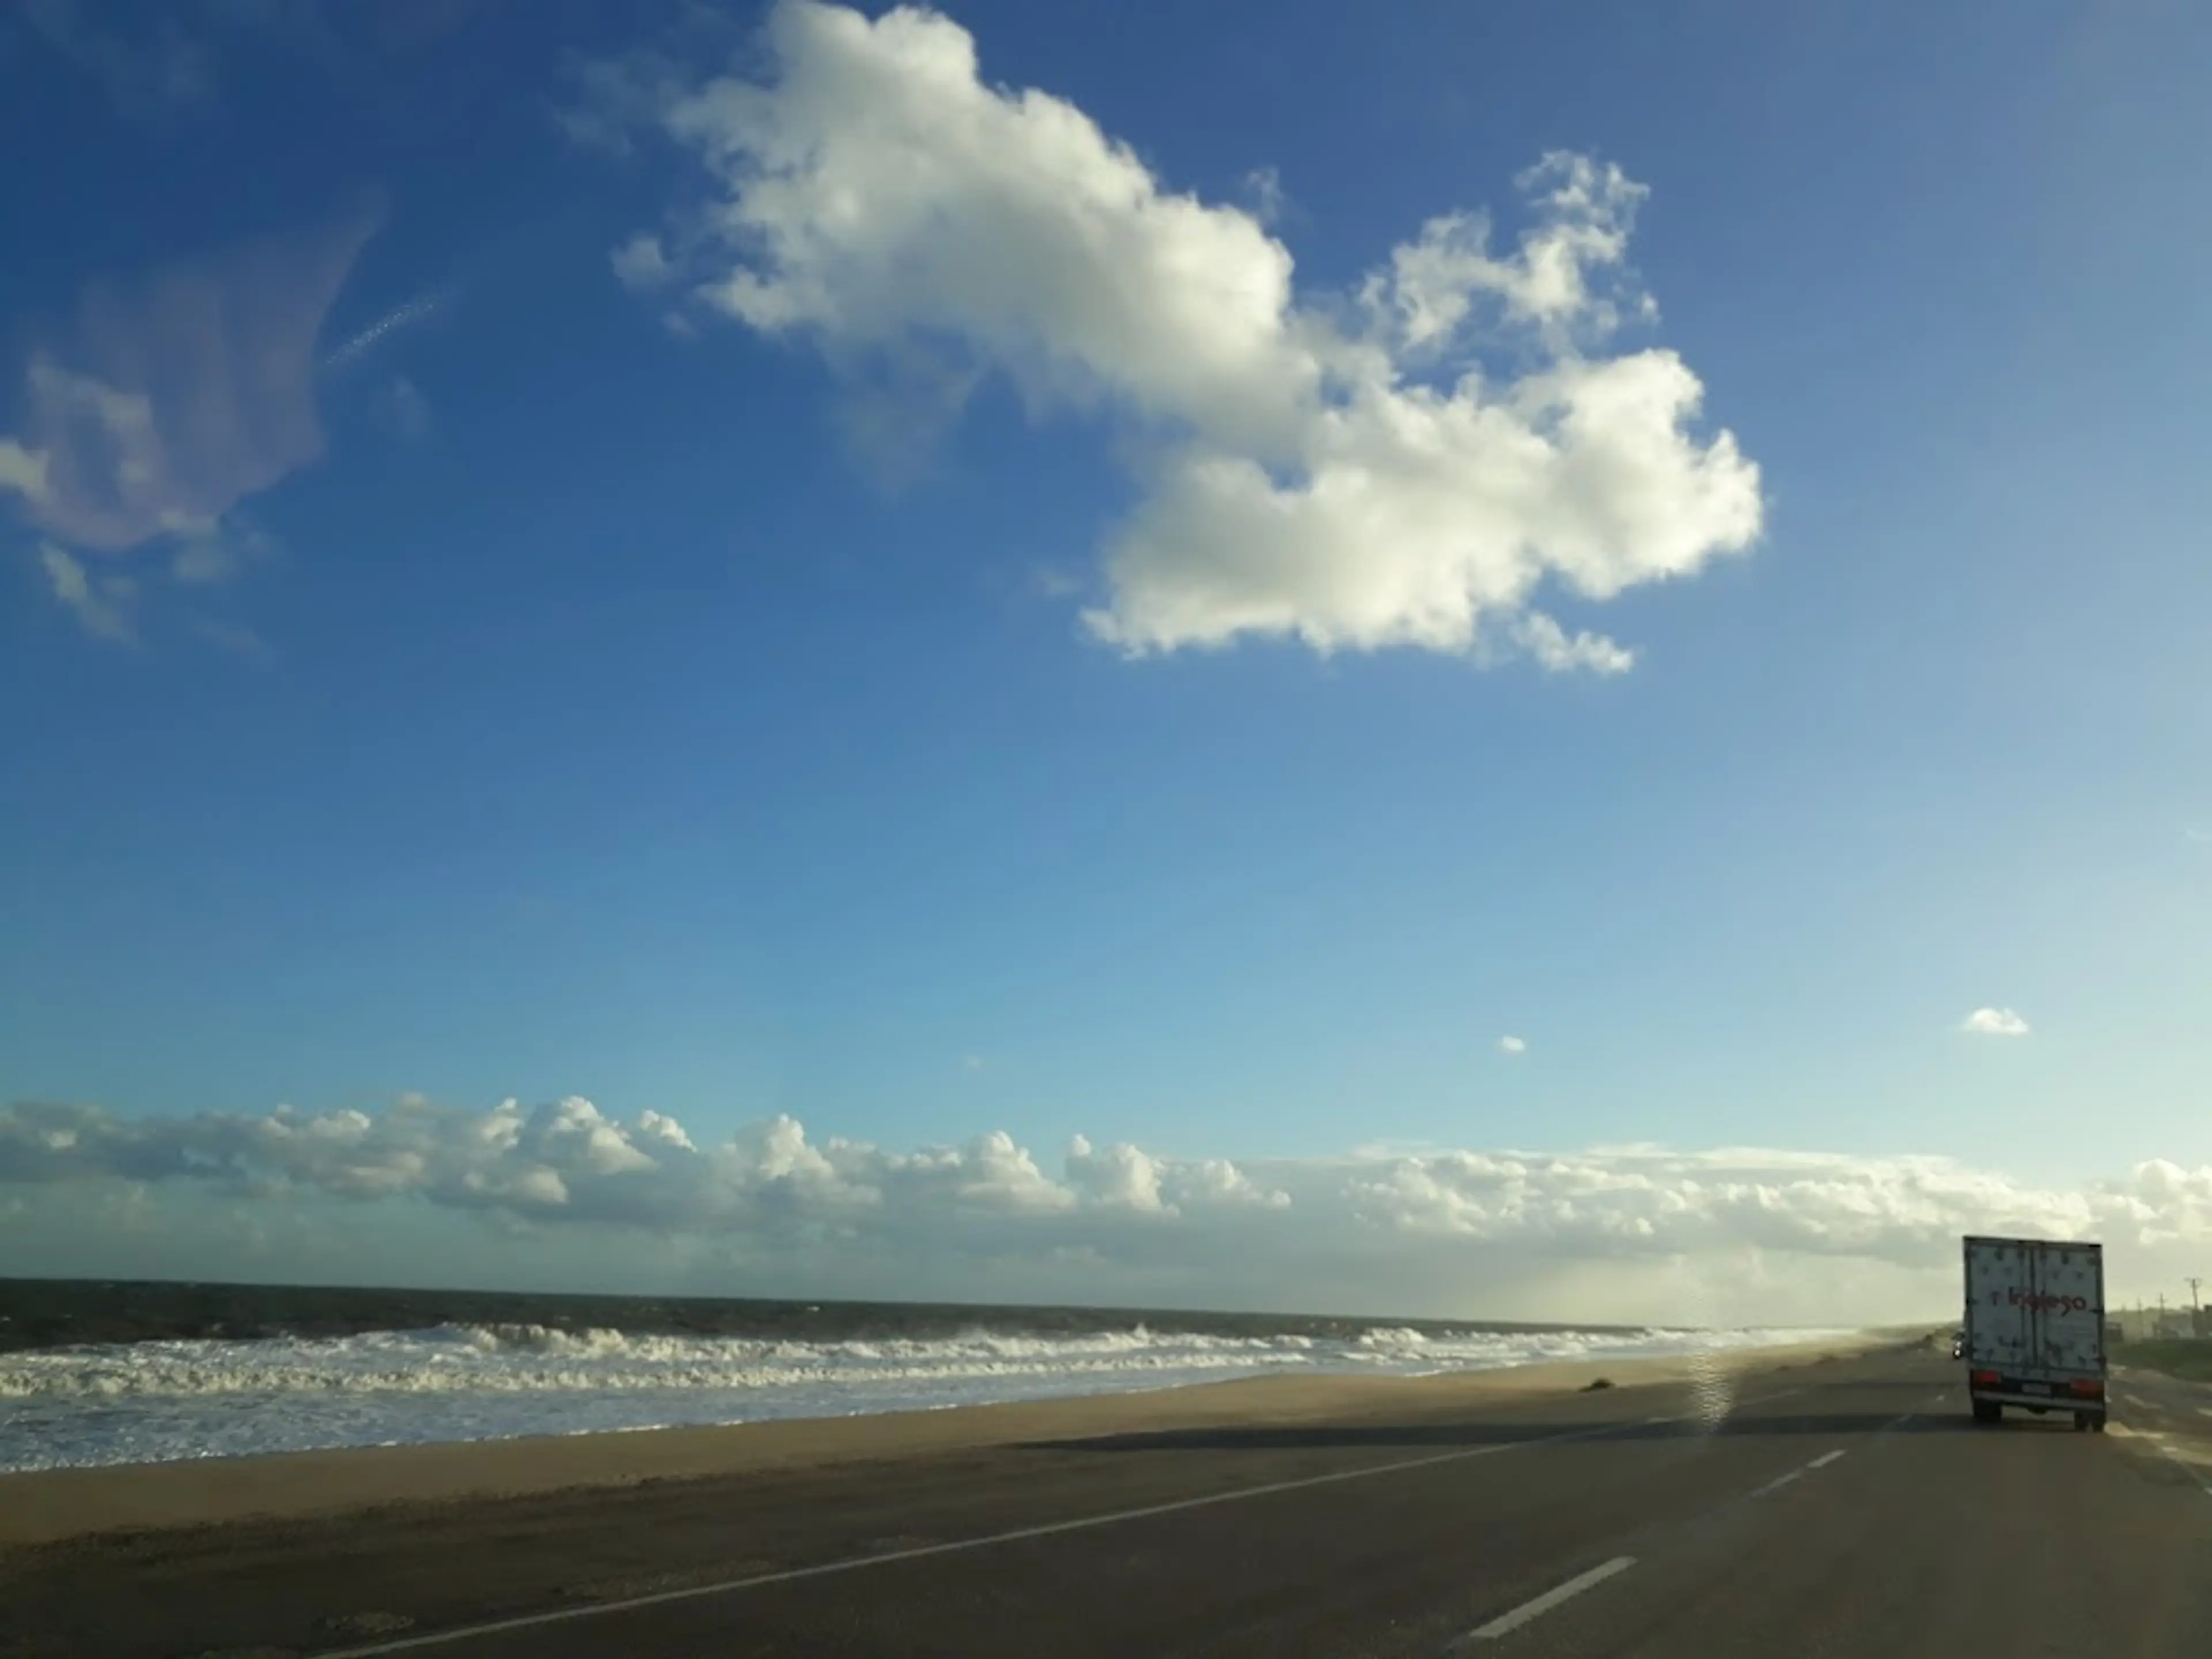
[[2163, 1442], [2187, 1468], [854, 1564], [1506, 1623], [1825, 1459], [694, 1592]]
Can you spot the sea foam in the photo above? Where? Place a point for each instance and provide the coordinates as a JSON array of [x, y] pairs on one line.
[[161, 1401]]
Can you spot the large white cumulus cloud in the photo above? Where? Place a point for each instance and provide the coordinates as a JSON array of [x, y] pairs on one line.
[[771, 1187], [1339, 469], [569, 1161]]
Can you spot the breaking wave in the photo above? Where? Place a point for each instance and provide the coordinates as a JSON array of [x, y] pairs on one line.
[[160, 1402]]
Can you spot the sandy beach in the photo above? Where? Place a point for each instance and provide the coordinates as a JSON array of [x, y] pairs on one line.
[[48, 1506]]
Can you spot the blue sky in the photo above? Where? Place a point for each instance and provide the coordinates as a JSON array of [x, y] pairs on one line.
[[537, 689]]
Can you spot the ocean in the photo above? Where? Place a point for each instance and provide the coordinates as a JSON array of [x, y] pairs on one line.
[[132, 1372]]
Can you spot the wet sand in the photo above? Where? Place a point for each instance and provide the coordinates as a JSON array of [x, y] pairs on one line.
[[47, 1507]]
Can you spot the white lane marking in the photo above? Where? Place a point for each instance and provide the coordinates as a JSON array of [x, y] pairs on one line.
[[1782, 1480], [2205, 1410], [821, 1570], [1506, 1623], [2189, 1466], [2162, 1442], [729, 1586]]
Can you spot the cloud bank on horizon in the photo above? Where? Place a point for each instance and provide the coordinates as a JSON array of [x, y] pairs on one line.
[[1409, 1230], [1353, 471]]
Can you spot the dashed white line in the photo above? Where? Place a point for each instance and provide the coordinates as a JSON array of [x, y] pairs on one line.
[[921, 1552], [1506, 1623], [730, 1586], [1782, 1480]]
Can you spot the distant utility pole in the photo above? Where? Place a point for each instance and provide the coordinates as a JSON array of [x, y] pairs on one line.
[[2193, 1283]]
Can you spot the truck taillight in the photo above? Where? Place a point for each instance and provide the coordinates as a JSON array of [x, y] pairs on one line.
[[2088, 1388], [1982, 1379]]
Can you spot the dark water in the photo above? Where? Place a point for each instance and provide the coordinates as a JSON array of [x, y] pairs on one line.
[[47, 1313]]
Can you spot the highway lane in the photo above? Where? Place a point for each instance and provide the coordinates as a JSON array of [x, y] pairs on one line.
[[1859, 1513], [1934, 1537], [2174, 1416], [1842, 1508]]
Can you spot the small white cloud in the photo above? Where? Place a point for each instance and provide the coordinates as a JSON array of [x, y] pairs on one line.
[[1559, 653], [179, 394], [1993, 1021], [1265, 186], [182, 392], [210, 552], [233, 637], [149, 65], [22, 471], [642, 263], [613, 99], [1056, 581], [2201, 837], [407, 409], [1512, 1045], [203, 563], [101, 605]]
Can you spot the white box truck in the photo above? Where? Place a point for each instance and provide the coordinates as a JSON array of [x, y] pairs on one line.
[[2035, 1328]]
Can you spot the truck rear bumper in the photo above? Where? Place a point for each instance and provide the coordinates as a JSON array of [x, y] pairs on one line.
[[2060, 1401]]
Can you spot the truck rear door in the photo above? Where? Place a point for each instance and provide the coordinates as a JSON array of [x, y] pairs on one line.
[[1999, 1336], [2067, 1315]]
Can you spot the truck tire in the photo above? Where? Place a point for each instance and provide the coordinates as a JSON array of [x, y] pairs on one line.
[[1988, 1410], [2081, 1420]]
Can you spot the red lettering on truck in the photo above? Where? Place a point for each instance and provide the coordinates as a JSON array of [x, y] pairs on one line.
[[2044, 1302]]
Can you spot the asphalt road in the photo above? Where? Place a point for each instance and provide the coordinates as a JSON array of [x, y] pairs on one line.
[[1842, 1508]]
